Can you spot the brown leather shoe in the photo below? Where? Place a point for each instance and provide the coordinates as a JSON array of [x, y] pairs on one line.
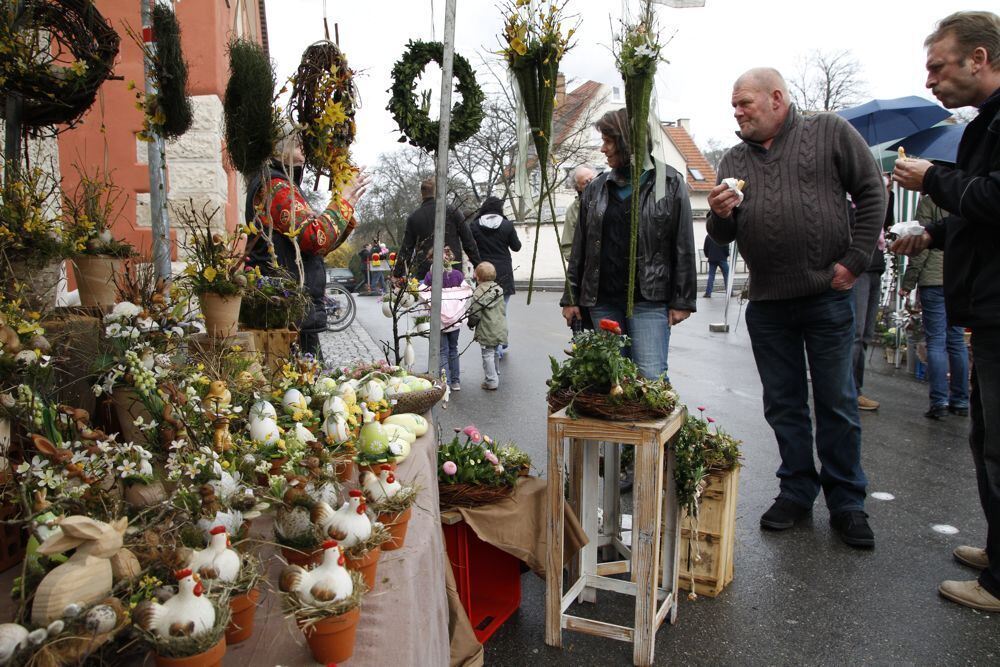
[[972, 556], [970, 594], [865, 403]]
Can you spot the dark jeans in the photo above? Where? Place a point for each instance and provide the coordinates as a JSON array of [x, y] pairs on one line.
[[945, 350], [449, 355], [783, 335], [867, 290], [712, 266], [984, 437]]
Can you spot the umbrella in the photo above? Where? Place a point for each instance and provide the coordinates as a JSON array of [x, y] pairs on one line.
[[880, 121], [935, 143]]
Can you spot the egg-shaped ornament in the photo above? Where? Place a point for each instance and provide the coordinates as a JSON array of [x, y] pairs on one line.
[[372, 391], [294, 401], [412, 421], [386, 308], [324, 386], [335, 405], [347, 392], [373, 440], [397, 431], [262, 410], [302, 434], [264, 431], [399, 449], [409, 354], [337, 430]]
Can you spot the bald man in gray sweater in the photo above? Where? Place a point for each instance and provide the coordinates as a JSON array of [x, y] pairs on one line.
[[793, 229]]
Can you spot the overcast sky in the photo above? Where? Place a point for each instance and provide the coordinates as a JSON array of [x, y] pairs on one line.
[[711, 46]]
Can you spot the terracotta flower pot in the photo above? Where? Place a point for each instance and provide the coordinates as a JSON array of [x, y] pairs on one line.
[[127, 407], [300, 558], [332, 639], [345, 470], [141, 495], [221, 314], [396, 523], [95, 278], [210, 658], [241, 625], [367, 566]]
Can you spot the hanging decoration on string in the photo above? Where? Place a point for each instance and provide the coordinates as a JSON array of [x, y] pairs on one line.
[[414, 121], [535, 45], [253, 126], [637, 52], [57, 76], [322, 105]]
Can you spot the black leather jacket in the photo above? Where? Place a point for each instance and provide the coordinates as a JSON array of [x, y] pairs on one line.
[[665, 256]]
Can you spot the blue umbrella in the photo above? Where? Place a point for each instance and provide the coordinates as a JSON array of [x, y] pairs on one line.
[[936, 143], [880, 121]]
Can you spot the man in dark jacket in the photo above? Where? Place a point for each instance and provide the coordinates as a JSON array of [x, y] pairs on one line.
[[963, 69], [495, 237], [418, 238], [717, 255], [792, 226]]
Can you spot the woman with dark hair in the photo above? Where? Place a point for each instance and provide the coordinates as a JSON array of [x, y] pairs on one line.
[[597, 273], [495, 237]]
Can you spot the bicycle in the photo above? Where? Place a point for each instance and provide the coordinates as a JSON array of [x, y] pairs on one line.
[[340, 308]]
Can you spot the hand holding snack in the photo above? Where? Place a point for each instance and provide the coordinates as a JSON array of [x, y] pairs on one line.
[[909, 172], [726, 196]]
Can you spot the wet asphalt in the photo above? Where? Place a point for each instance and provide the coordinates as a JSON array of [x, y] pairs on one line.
[[799, 597]]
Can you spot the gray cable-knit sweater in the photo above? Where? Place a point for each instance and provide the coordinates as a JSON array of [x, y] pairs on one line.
[[793, 225]]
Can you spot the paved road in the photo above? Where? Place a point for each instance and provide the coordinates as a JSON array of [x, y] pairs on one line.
[[799, 597]]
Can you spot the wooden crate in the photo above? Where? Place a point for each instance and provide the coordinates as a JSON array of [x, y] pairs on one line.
[[716, 536], [275, 345]]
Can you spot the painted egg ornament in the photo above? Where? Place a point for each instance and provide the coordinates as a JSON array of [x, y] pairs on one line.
[[372, 391], [399, 432], [347, 392], [335, 405], [264, 431], [262, 410], [336, 429], [294, 400], [324, 386], [412, 421], [399, 449], [302, 434], [373, 440]]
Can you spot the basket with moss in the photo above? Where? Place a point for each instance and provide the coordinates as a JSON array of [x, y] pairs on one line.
[[599, 381], [272, 302]]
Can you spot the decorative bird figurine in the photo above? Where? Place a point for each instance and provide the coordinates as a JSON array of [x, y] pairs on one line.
[[380, 487], [217, 561], [187, 614], [349, 525], [329, 581]]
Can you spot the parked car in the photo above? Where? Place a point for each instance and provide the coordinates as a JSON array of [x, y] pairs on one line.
[[342, 277]]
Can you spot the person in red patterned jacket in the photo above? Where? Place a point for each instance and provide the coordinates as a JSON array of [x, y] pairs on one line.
[[272, 206]]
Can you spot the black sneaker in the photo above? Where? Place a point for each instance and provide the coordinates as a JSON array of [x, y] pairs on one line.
[[783, 514], [853, 529], [961, 412], [937, 412]]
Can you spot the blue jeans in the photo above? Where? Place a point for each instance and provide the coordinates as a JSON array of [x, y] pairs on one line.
[[648, 329], [867, 291], [945, 350], [784, 334], [712, 266], [491, 366], [449, 355]]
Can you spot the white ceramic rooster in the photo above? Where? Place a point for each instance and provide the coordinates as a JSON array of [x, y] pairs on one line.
[[218, 561], [380, 487], [187, 614], [349, 525], [329, 581]]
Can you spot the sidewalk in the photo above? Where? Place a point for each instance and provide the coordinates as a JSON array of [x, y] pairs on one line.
[[353, 343]]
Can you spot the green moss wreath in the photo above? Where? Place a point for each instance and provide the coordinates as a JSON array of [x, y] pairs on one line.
[[171, 74], [414, 123]]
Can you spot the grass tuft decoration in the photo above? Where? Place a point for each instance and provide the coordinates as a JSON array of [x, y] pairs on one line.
[[252, 124], [171, 73]]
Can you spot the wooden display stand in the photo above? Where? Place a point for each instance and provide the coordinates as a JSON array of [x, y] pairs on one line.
[[655, 549], [716, 536], [208, 347], [275, 345]]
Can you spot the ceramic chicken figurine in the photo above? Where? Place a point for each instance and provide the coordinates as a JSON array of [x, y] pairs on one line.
[[349, 525], [187, 614], [87, 576], [329, 581], [217, 561], [381, 487]]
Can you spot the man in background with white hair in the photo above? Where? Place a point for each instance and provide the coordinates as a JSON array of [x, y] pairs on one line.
[[582, 176], [791, 223]]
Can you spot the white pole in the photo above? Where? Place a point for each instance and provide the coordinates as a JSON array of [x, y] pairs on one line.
[[441, 191], [157, 154]]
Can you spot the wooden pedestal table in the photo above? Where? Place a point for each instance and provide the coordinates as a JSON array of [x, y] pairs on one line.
[[654, 553]]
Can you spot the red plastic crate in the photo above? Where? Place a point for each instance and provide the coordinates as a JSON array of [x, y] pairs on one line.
[[488, 579]]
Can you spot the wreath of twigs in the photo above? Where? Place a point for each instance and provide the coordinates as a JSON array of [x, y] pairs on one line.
[[414, 122], [603, 406], [171, 74], [252, 126], [323, 102], [471, 495], [56, 54]]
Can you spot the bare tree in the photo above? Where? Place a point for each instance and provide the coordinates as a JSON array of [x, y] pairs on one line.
[[827, 81], [713, 150]]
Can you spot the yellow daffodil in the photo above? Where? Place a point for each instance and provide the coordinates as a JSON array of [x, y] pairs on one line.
[[209, 273]]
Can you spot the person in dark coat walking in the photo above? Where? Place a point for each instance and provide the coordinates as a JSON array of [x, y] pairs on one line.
[[496, 237], [717, 255], [418, 238]]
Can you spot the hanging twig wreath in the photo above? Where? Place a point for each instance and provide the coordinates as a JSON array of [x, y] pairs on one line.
[[322, 103], [414, 123], [56, 58], [252, 126]]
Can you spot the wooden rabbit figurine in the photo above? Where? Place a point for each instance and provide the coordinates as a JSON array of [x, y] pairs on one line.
[[86, 577]]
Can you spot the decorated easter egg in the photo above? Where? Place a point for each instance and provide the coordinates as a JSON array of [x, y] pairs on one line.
[[264, 431], [412, 421], [373, 439]]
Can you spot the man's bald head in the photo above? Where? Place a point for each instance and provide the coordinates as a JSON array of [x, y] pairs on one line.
[[760, 104]]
